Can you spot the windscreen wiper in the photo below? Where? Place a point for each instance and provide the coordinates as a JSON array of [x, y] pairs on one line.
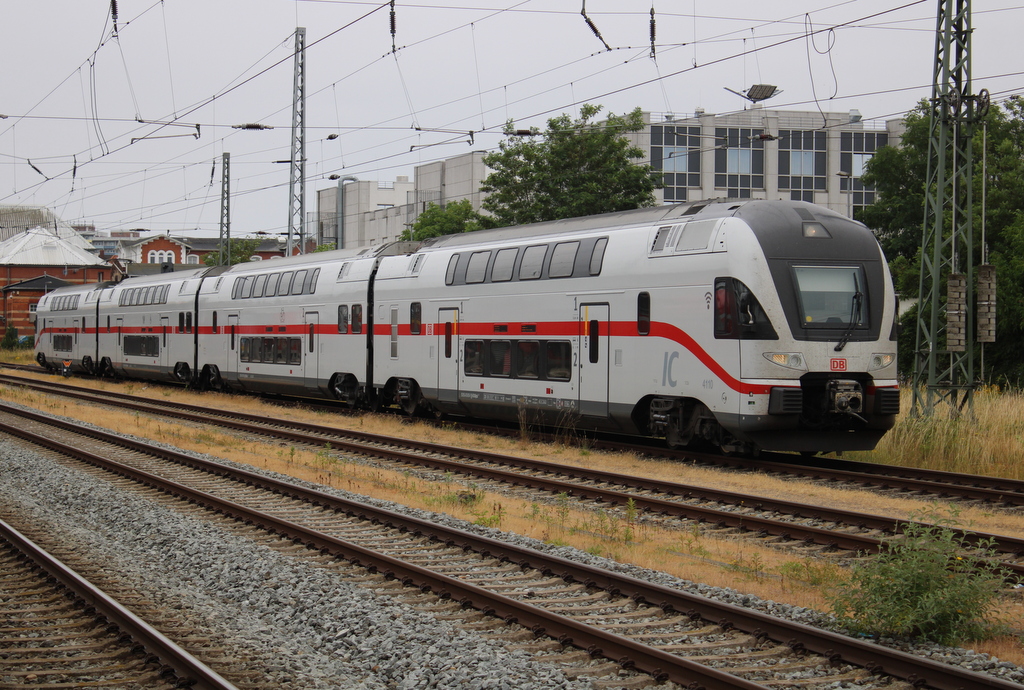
[[855, 307]]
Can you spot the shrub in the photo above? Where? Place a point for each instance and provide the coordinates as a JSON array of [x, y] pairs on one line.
[[923, 584], [10, 340]]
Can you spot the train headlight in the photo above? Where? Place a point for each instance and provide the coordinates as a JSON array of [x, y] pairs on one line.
[[790, 360], [880, 360]]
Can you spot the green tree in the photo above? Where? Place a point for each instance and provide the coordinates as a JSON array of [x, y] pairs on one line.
[[899, 174], [455, 217], [241, 250], [326, 247], [575, 168]]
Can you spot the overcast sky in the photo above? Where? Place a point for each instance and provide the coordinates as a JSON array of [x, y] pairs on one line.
[[73, 89]]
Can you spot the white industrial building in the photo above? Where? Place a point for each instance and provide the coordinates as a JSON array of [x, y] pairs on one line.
[[756, 153]]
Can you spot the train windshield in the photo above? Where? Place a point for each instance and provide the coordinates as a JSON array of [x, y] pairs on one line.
[[831, 296]]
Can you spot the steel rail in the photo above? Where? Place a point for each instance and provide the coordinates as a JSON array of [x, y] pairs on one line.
[[919, 671], [188, 669], [996, 490], [371, 444]]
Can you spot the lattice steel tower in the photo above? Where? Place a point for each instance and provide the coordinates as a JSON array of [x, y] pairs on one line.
[[297, 181], [225, 211], [944, 364]]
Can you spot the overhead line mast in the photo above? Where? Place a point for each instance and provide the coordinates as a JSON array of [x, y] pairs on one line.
[[944, 363], [297, 181]]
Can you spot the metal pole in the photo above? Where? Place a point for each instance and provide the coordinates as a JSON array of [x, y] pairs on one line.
[[297, 181]]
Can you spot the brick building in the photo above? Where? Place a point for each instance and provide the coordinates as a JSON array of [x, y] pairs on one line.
[[37, 261]]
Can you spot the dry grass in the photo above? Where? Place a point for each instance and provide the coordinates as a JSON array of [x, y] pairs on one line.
[[986, 440], [786, 576]]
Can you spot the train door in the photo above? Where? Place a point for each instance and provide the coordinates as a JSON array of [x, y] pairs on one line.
[[165, 328], [594, 359], [312, 355], [448, 355]]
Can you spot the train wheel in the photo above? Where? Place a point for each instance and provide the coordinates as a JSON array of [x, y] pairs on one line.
[[409, 396], [88, 365], [344, 387], [41, 360], [212, 379], [182, 372]]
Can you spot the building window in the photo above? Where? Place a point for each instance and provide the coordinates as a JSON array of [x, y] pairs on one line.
[[855, 150], [739, 161], [676, 151], [803, 163]]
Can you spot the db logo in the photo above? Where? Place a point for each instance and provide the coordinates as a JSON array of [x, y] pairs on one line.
[[838, 364]]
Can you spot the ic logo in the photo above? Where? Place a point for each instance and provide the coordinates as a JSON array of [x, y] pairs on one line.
[[838, 364]]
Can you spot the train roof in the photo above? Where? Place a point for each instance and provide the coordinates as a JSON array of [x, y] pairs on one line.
[[769, 215]]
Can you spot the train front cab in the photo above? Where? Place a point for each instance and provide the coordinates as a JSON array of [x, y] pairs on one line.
[[818, 351]]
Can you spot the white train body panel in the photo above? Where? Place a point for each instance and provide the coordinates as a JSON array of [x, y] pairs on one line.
[[747, 324]]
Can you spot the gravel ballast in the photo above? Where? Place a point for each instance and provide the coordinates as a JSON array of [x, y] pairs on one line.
[[320, 630]]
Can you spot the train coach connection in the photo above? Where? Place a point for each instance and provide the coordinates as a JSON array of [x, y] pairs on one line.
[[748, 324]]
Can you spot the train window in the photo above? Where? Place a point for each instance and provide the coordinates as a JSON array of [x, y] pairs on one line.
[[285, 287], [281, 349], [312, 337], [594, 332], [247, 287], [269, 349], [500, 358], [558, 356], [738, 314], [181, 322], [343, 270], [243, 348], [232, 336], [236, 288], [214, 325], [188, 322], [527, 356], [474, 359], [312, 281], [62, 343], [342, 318], [256, 350], [357, 318], [449, 276], [831, 296], [415, 318], [298, 283], [295, 351], [271, 287], [504, 262], [643, 313], [533, 262], [476, 271], [597, 257], [563, 259], [257, 287]]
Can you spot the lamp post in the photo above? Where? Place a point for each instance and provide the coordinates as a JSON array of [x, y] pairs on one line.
[[849, 191]]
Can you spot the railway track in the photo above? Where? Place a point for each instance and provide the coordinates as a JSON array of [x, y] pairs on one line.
[[59, 630], [548, 604], [990, 491], [766, 519]]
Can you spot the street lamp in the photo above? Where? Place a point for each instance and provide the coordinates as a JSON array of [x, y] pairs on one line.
[[849, 191]]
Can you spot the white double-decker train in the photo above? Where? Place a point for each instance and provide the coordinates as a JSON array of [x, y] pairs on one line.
[[747, 325]]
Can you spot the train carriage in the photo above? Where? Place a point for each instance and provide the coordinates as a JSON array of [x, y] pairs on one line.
[[65, 335]]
